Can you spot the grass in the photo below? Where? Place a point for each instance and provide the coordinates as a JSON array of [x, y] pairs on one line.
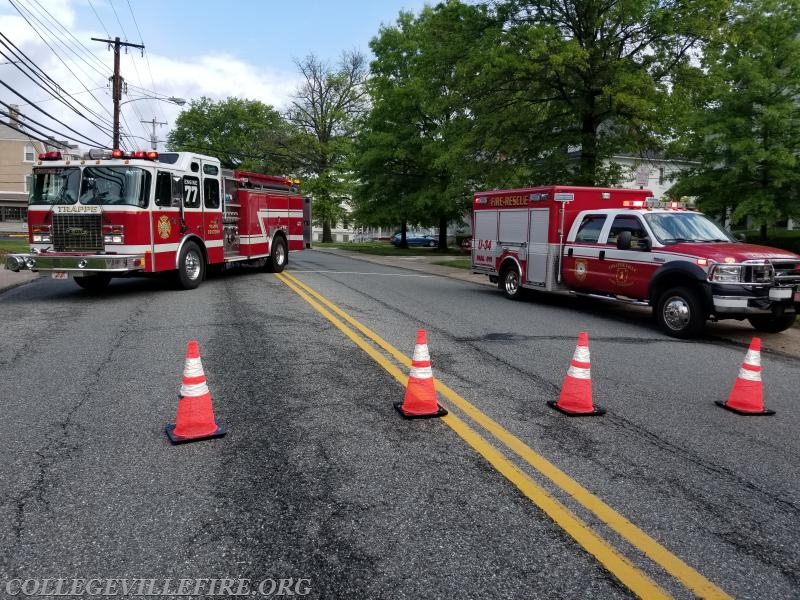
[[386, 249], [458, 263], [13, 246]]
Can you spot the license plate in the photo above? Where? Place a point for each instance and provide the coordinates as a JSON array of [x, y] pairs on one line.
[[780, 294], [59, 275]]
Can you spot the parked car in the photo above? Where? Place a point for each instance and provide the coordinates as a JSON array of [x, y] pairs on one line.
[[416, 239]]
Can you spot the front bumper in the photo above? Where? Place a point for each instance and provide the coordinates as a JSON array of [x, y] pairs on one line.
[[763, 300], [76, 263]]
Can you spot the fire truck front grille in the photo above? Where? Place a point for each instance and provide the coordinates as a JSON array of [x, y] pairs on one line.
[[77, 233], [787, 273]]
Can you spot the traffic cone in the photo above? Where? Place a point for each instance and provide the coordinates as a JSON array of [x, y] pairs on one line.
[[746, 396], [576, 392], [420, 399], [195, 419]]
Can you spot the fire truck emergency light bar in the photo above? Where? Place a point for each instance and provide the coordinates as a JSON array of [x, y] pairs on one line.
[[653, 203]]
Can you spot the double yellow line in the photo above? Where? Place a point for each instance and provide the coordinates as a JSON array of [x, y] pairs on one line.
[[615, 562]]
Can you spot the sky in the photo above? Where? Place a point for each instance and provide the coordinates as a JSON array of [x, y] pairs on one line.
[[234, 48]]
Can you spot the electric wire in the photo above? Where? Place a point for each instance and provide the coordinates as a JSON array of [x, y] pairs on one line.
[[32, 120]]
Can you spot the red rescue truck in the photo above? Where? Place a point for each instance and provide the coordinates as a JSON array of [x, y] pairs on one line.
[[116, 214], [621, 244]]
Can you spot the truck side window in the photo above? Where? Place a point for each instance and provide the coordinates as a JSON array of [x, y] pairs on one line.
[[177, 191], [627, 223], [211, 192], [589, 230], [163, 189], [191, 192]]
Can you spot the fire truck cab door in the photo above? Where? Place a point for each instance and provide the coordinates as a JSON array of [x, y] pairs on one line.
[[583, 256], [538, 246], [627, 271]]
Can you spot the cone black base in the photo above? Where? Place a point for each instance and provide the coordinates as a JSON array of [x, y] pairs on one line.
[[439, 413], [761, 413], [595, 412], [177, 439]]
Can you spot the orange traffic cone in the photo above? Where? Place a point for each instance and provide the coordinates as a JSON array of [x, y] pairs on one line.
[[420, 399], [746, 396], [195, 419], [576, 392]]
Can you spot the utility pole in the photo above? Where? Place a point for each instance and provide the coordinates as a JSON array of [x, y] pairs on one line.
[[116, 87], [153, 140]]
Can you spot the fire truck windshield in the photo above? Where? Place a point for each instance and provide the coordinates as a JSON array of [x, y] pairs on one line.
[[55, 185], [674, 227], [95, 185], [115, 185]]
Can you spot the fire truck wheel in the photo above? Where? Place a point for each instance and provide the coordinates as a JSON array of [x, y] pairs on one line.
[[191, 267], [679, 312], [772, 323], [509, 282], [277, 256], [93, 283]]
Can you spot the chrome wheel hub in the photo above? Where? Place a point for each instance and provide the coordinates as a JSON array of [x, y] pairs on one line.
[[677, 313]]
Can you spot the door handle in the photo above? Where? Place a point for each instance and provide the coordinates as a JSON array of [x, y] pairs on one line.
[[602, 255]]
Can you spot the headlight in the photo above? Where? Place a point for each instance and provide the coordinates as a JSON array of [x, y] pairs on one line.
[[727, 274], [40, 234], [113, 234]]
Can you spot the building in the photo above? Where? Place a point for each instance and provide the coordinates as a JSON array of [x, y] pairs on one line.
[[18, 151]]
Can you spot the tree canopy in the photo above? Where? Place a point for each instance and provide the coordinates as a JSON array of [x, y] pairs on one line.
[[742, 126], [244, 134]]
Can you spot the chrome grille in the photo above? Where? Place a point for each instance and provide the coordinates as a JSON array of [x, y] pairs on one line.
[[787, 272], [77, 233]]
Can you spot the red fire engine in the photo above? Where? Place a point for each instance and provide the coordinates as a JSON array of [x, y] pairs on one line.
[[620, 244], [115, 214]]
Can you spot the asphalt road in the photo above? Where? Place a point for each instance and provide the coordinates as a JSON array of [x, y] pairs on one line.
[[320, 479]]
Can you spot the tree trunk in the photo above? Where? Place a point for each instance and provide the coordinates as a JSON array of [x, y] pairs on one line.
[[763, 232], [326, 231], [587, 172], [442, 234]]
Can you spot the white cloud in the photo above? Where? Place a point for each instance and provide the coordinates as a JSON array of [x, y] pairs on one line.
[[216, 76]]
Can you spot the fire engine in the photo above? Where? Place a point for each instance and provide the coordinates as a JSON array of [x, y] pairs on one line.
[[119, 214], [623, 245]]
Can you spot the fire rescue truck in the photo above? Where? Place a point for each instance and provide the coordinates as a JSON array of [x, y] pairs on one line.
[[621, 244], [119, 214]]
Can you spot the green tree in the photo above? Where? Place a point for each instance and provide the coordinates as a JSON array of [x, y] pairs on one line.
[[744, 131], [244, 134], [326, 107], [566, 84], [409, 162]]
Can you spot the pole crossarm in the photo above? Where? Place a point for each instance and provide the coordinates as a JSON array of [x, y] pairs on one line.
[[116, 90]]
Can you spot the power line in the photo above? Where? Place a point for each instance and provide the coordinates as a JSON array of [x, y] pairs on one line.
[[46, 82], [15, 92], [10, 115]]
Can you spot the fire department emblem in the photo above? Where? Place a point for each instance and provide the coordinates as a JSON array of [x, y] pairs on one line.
[[580, 270], [164, 228], [622, 274]]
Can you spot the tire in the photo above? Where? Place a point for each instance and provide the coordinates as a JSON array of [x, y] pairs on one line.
[[278, 255], [431, 244], [191, 267], [772, 323], [509, 283], [93, 283], [679, 312]]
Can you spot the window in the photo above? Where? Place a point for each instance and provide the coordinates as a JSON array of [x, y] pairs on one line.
[[163, 189], [191, 192], [115, 186], [211, 192], [28, 183], [590, 228], [210, 169], [627, 223], [30, 153]]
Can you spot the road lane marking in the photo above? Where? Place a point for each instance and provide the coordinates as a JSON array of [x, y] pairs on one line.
[[608, 556], [324, 272], [672, 564]]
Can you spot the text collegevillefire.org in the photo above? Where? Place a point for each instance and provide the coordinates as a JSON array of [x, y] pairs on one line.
[[157, 587]]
